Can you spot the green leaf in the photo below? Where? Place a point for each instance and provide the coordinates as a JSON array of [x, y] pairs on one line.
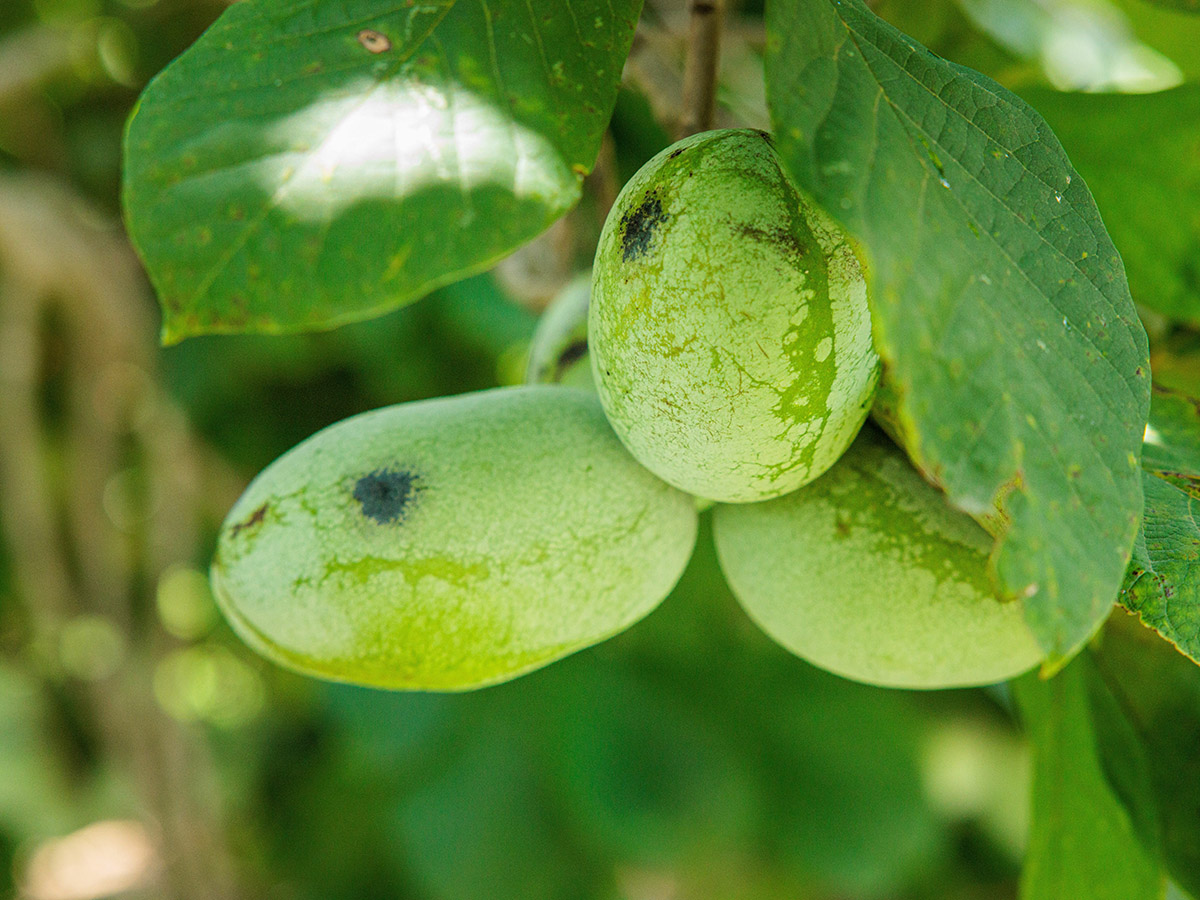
[[307, 164], [1140, 155], [1172, 437], [1163, 582], [1188, 6], [1082, 842], [1000, 305], [1145, 700]]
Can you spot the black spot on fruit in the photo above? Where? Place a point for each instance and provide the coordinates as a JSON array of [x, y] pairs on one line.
[[385, 494], [638, 226]]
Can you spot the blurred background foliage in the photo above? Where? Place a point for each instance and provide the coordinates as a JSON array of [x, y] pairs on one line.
[[144, 752]]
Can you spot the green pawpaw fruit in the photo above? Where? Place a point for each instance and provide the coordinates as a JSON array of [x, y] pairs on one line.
[[729, 329], [869, 573], [450, 543]]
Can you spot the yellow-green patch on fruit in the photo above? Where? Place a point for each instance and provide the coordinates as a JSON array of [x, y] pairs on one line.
[[867, 572], [729, 329], [450, 543]]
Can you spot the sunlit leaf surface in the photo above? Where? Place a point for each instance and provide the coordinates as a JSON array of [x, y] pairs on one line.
[[308, 163]]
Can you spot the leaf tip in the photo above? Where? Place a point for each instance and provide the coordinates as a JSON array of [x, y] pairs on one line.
[[173, 332]]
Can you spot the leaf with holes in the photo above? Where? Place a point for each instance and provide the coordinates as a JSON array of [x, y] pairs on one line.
[[1163, 582], [306, 164], [1000, 306]]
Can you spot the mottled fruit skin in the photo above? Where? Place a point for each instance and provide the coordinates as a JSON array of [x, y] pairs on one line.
[[450, 543], [729, 329], [867, 572]]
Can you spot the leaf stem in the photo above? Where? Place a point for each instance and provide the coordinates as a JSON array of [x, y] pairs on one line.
[[700, 67]]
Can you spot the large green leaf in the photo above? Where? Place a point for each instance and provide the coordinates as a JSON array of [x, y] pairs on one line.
[[1000, 304], [1145, 701], [1140, 155], [1163, 582], [309, 163], [1082, 842]]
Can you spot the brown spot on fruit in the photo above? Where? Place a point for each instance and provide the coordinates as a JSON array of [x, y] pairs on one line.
[[255, 518], [787, 239]]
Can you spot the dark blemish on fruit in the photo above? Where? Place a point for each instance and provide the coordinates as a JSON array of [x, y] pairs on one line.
[[778, 235], [674, 153], [764, 135], [638, 227], [374, 41], [571, 354], [255, 518], [385, 494]]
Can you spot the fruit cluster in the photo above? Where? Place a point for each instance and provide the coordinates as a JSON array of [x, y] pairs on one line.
[[462, 541]]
